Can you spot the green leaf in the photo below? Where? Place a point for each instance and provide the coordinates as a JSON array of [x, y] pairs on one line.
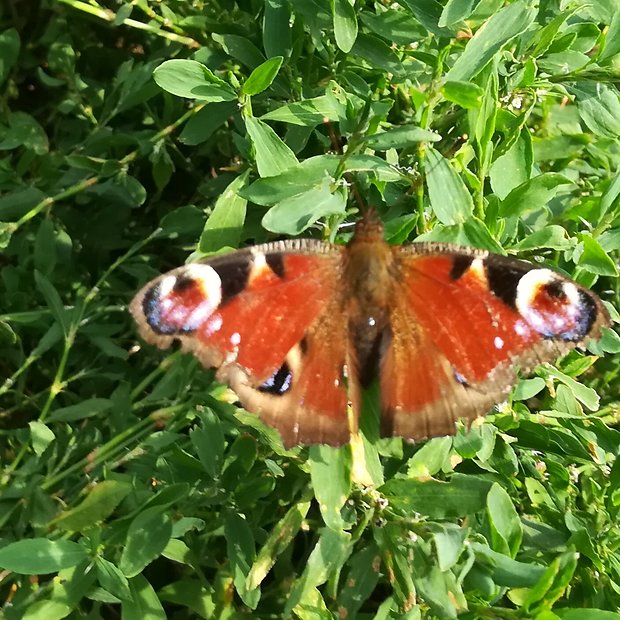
[[24, 130], [64, 595], [293, 215], [594, 259], [585, 613], [449, 541], [598, 107], [361, 580], [506, 571], [428, 13], [585, 395], [9, 52], [16, 204], [552, 236], [100, 503], [6, 233], [544, 37], [309, 174], [279, 539], [41, 436], [144, 602], [225, 224], [553, 582], [612, 38], [241, 553], [506, 531], [377, 53], [261, 78], [345, 24], [309, 112], [455, 11], [449, 198], [45, 248], [513, 167], [400, 137], [147, 537], [190, 593], [328, 556], [111, 579], [330, 472], [202, 125], [181, 221], [192, 80], [533, 194], [208, 440], [86, 409], [503, 26], [438, 588], [528, 388], [40, 556], [378, 167], [610, 195], [430, 458], [461, 496], [472, 233], [272, 156], [52, 298], [277, 31], [240, 48], [464, 94]]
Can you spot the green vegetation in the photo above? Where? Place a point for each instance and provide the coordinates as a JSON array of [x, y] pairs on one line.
[[127, 473]]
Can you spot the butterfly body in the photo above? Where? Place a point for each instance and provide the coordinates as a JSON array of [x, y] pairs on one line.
[[298, 328]]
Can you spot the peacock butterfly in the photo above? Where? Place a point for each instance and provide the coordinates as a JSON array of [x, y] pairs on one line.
[[297, 328]]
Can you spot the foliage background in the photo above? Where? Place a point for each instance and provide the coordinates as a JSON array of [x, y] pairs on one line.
[[127, 472]]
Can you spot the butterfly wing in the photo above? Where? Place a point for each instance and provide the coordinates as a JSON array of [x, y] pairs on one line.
[[462, 321], [264, 317]]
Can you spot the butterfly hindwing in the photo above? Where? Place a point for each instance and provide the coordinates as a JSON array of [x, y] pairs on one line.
[[464, 320], [261, 317]]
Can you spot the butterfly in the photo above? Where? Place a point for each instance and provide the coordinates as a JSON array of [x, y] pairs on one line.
[[299, 328]]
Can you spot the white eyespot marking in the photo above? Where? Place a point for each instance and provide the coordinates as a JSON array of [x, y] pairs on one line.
[[175, 313], [530, 284], [528, 289], [336, 382], [235, 339], [166, 285], [259, 262], [572, 294], [552, 306], [207, 278], [371, 321], [521, 328], [498, 342], [477, 269], [214, 325], [259, 266]]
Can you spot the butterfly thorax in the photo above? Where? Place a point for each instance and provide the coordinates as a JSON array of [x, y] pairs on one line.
[[370, 273], [369, 267]]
